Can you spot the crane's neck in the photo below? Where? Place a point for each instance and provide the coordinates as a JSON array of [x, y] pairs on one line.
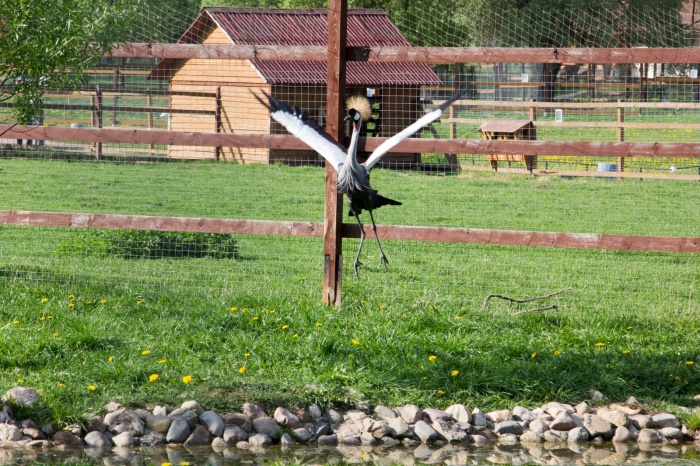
[[351, 158]]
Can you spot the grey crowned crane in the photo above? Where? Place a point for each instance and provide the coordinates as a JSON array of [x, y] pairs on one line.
[[353, 177]]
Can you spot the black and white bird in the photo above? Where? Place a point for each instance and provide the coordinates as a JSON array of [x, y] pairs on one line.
[[353, 177]]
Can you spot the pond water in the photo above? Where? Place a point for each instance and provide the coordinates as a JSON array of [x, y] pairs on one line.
[[560, 454]]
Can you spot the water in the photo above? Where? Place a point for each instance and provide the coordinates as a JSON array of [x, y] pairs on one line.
[[560, 454]]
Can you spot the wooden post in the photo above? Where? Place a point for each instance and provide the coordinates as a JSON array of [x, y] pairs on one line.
[[620, 135], [98, 116], [115, 99], [217, 119], [333, 220]]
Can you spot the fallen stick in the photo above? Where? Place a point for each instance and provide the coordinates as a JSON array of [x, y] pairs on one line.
[[520, 301]]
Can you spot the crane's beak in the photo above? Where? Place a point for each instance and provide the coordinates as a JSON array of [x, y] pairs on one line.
[[347, 118]]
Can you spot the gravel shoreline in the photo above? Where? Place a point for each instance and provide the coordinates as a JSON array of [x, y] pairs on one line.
[[192, 425]]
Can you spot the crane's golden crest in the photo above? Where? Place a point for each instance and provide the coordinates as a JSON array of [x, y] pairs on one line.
[[361, 106]]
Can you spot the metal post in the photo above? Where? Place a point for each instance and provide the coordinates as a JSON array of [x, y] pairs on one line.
[[98, 116], [333, 221]]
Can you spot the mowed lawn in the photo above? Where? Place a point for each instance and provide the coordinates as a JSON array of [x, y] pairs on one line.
[[85, 325]]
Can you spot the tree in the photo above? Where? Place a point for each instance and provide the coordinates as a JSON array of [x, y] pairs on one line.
[[51, 43]]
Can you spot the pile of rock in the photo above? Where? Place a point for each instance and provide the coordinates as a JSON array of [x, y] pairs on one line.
[[190, 425]]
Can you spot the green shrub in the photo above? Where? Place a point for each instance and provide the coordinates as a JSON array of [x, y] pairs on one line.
[[150, 244]]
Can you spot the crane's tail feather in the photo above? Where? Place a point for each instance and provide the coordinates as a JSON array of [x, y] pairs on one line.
[[385, 201]]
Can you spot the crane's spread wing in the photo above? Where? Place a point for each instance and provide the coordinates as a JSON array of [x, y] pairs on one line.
[[426, 119], [308, 131]]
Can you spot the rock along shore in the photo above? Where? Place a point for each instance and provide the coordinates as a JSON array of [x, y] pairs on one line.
[[191, 425]]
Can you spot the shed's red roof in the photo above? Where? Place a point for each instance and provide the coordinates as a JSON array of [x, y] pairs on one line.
[[260, 26]]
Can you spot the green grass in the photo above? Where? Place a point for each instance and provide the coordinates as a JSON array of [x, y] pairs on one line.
[[642, 307]]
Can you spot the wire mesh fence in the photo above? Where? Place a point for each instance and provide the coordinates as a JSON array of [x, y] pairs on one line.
[[599, 195]]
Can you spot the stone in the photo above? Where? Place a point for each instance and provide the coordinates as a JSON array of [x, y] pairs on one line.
[[48, 429], [538, 427], [385, 413], [671, 433], [192, 406], [153, 439], [10, 432], [583, 408], [38, 444], [142, 413], [253, 411], [25, 396], [531, 437], [200, 436], [219, 445], [459, 413], [67, 439], [302, 435], [500, 415], [190, 417], [213, 423], [328, 440], [97, 423], [563, 421], [97, 439], [649, 436], [641, 421], [434, 414], [622, 435], [113, 406], [111, 416], [159, 423], [179, 431], [410, 413], [509, 439], [578, 435], [523, 414], [243, 444], [349, 429], [315, 411], [33, 433], [424, 432], [616, 417], [388, 442], [125, 439], [399, 426], [450, 431], [508, 427], [260, 439], [662, 420], [596, 395], [285, 418], [233, 434], [335, 416], [553, 408], [633, 402], [287, 440], [126, 421], [597, 426], [5, 415], [355, 415], [267, 426], [556, 436], [367, 438], [478, 417], [351, 441], [242, 420], [321, 428], [74, 429], [160, 411]]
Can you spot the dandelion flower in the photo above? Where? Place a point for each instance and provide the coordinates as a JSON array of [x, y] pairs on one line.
[[241, 370], [153, 377], [458, 317], [247, 355], [110, 359], [103, 301], [319, 324], [432, 357], [140, 301], [166, 464], [351, 356], [145, 352], [441, 392], [42, 318], [600, 344], [44, 300], [49, 317], [689, 363], [92, 388], [71, 297], [454, 373], [382, 306], [425, 377], [234, 309], [162, 361], [285, 327], [71, 305], [55, 335], [61, 384], [272, 311], [355, 342], [626, 351], [557, 353], [255, 318], [296, 335], [15, 321], [187, 379], [363, 302], [533, 355]]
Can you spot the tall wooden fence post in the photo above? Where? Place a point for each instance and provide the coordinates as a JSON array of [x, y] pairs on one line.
[[620, 135], [333, 221]]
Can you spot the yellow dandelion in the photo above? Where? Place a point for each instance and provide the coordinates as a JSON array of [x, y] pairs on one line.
[[15, 321], [296, 335], [61, 384], [351, 356], [92, 388], [272, 311], [145, 352], [162, 361], [245, 309], [88, 302], [20, 380], [441, 392], [626, 351], [319, 324], [241, 370], [265, 311], [44, 300], [55, 335], [557, 353], [454, 373], [425, 377], [285, 327], [42, 318], [533, 355], [600, 344], [49, 317], [355, 342], [187, 379], [110, 359], [432, 357], [71, 297], [140, 301], [103, 301], [363, 302], [153, 377], [689, 363], [255, 318], [71, 305], [382, 306], [247, 355], [184, 463], [234, 309], [166, 464], [458, 317]]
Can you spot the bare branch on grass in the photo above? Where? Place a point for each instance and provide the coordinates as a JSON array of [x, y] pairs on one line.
[[521, 301]]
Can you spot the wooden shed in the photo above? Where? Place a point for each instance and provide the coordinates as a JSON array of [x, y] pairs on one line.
[[394, 88], [517, 130]]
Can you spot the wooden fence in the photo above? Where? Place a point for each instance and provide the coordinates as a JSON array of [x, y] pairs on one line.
[[332, 229]]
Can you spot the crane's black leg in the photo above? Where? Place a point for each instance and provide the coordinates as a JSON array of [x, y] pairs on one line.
[[382, 257], [362, 240]]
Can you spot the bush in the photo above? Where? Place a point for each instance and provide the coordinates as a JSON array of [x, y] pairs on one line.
[[151, 244]]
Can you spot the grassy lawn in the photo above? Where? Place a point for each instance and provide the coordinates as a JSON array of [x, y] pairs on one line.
[[252, 328]]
